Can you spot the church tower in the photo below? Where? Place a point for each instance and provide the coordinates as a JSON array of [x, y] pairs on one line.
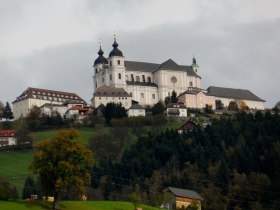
[[195, 66], [100, 67], [116, 67]]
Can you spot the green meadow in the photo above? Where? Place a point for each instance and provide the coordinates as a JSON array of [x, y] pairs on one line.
[[71, 205], [14, 164]]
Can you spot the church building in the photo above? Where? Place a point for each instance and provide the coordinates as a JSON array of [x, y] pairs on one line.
[[144, 82]]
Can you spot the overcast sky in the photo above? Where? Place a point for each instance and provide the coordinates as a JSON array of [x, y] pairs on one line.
[[53, 44]]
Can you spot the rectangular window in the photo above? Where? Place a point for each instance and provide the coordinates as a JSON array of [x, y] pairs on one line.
[[191, 84], [153, 96], [119, 62], [142, 95], [110, 76], [120, 76]]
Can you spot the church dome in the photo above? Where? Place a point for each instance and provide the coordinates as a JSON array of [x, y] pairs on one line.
[[115, 51], [101, 59]]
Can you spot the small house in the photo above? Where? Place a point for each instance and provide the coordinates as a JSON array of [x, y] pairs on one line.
[[187, 127], [176, 109], [182, 198], [7, 138], [136, 110]]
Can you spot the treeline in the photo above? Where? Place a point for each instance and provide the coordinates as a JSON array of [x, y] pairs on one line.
[[233, 163]]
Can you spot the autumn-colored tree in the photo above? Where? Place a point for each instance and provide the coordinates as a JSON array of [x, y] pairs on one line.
[[62, 163], [243, 106], [233, 106]]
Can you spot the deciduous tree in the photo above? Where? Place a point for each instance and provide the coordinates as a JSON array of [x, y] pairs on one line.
[[62, 163]]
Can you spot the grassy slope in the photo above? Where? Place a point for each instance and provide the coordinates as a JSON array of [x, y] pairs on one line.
[[14, 164], [72, 205]]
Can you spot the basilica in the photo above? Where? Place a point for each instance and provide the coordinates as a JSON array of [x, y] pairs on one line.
[[118, 80]]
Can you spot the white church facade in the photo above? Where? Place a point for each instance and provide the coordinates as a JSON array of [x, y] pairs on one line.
[[146, 83]]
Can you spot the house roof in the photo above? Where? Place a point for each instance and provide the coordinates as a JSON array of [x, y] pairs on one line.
[[239, 94], [5, 133], [194, 91], [49, 95], [136, 106], [185, 193], [152, 67], [105, 91]]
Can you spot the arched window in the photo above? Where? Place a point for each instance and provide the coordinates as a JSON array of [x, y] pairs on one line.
[[119, 62], [137, 79], [149, 80]]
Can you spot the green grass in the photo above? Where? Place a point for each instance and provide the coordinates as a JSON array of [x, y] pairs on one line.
[[72, 205], [86, 133], [14, 166]]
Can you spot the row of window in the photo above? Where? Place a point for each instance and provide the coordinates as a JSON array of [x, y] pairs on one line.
[[143, 95]]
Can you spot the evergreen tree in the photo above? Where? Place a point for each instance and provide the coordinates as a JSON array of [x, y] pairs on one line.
[[7, 112], [174, 98], [29, 188], [114, 111], [158, 108]]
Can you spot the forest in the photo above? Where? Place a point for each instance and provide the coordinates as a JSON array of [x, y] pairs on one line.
[[233, 163]]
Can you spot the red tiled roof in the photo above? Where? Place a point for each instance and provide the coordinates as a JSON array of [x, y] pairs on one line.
[[49, 95], [105, 91], [78, 108], [4, 133]]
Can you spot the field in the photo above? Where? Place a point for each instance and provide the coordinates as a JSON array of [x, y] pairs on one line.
[[14, 164], [71, 205]]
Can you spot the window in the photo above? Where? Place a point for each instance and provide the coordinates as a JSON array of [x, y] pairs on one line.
[[131, 93], [110, 76], [190, 84], [103, 79], [132, 78], [126, 77], [142, 95], [119, 62], [153, 96], [149, 79], [110, 63], [137, 79], [120, 76], [143, 78]]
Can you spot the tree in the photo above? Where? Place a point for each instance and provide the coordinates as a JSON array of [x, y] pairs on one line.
[[135, 199], [33, 119], [62, 163], [233, 106], [208, 109], [114, 111], [158, 108], [243, 106], [23, 138], [174, 98], [6, 190], [219, 105], [7, 112], [1, 109], [30, 188]]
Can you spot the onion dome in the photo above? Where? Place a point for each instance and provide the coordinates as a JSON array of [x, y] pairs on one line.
[[194, 64], [115, 51], [101, 59]]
